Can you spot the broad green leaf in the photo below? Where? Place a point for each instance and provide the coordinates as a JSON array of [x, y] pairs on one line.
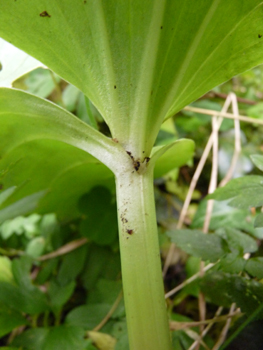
[[72, 265], [258, 161], [59, 295], [196, 243], [6, 193], [41, 156], [14, 63], [10, 319], [21, 207], [31, 301], [246, 192], [24, 295], [31, 339], [107, 291], [232, 263], [54, 338], [6, 274], [87, 316], [259, 220], [237, 240], [41, 82], [254, 267], [64, 337], [105, 264], [100, 219], [224, 216], [36, 247], [224, 289], [172, 156], [138, 61]]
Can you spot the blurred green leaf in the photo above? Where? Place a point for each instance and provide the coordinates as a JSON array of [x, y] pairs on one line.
[[100, 218], [259, 220], [243, 192], [256, 111], [72, 264], [36, 247], [31, 339], [87, 316], [196, 243], [25, 296], [41, 82], [180, 152], [6, 274], [105, 264], [224, 215], [237, 240], [31, 301], [107, 291], [59, 295], [10, 319], [232, 263], [254, 267], [21, 207], [70, 97], [61, 337], [224, 289]]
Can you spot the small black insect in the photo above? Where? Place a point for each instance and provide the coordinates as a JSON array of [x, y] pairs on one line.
[[44, 14]]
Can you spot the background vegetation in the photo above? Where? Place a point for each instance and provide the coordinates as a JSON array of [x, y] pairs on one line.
[[60, 280]]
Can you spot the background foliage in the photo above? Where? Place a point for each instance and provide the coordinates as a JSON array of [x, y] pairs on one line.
[[60, 277]]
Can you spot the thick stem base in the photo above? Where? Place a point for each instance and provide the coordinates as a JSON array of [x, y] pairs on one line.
[[141, 268]]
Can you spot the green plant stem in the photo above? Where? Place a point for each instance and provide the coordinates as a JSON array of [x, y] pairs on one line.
[[140, 257]]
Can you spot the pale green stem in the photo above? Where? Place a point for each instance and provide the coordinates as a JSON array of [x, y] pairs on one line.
[[146, 313]]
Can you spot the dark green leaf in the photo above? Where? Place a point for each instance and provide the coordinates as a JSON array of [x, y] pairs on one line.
[[87, 316], [232, 263], [224, 289], [64, 337], [246, 192], [238, 241], [100, 223], [224, 215], [21, 270], [101, 263], [196, 243], [61, 337], [29, 301], [46, 270], [32, 339], [25, 296], [10, 319], [72, 265], [59, 295], [254, 267], [107, 291]]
